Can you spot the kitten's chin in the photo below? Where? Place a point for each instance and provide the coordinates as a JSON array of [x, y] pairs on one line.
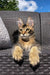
[[26, 39]]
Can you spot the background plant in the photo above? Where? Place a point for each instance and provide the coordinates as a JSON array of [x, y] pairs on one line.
[[9, 5]]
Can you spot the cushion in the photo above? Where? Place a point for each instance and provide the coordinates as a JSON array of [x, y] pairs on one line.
[[4, 36]]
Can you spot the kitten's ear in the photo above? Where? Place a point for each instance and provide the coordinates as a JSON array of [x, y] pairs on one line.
[[20, 22], [30, 21]]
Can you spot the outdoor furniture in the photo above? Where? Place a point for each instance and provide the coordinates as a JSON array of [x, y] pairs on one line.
[[42, 32]]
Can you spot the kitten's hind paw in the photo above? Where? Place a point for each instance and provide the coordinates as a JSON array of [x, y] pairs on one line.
[[17, 53]]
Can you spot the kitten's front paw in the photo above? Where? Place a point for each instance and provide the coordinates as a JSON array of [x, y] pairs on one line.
[[17, 53], [34, 60], [34, 56]]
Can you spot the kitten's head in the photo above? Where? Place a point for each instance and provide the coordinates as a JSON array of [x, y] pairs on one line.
[[26, 30]]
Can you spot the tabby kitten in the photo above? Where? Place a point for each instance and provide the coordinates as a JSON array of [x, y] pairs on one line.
[[26, 41]]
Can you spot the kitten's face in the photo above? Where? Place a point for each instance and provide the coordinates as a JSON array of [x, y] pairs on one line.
[[26, 30]]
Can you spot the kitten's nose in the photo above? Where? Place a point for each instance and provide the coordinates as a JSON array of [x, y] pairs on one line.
[[23, 32]]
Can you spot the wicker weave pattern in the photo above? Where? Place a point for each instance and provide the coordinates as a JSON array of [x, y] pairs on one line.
[[45, 31], [9, 67]]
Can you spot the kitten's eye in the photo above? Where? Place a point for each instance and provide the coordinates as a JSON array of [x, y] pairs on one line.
[[27, 29], [20, 29]]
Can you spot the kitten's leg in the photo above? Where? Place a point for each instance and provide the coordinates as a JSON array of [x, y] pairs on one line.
[[34, 56], [17, 53]]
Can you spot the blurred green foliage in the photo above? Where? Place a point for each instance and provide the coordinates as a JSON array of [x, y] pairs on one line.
[[9, 5]]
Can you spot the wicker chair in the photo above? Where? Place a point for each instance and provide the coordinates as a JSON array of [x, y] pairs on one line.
[[42, 32]]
